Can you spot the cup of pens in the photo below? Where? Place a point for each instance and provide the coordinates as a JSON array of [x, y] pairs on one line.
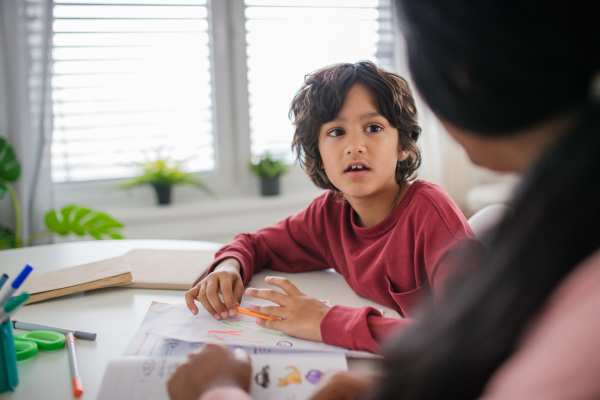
[[9, 378]]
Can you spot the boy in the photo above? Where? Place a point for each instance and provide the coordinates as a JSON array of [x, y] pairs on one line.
[[356, 133]]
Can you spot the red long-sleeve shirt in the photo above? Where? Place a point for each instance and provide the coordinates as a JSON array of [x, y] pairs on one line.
[[393, 263]]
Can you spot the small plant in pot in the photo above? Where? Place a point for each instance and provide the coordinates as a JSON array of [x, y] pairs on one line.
[[269, 170], [162, 174]]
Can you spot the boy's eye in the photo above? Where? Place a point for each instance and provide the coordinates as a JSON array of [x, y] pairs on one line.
[[373, 128], [335, 132]]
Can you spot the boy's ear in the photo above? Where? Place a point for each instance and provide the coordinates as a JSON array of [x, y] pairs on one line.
[[403, 155]]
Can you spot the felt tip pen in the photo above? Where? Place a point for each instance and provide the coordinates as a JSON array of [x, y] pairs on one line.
[[76, 379], [15, 285], [26, 326], [3, 280], [253, 314], [12, 306]]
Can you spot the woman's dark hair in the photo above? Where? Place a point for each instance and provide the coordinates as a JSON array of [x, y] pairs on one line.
[[493, 67], [321, 97]]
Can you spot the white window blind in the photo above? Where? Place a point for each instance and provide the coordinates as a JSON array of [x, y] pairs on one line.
[[286, 39], [130, 78]]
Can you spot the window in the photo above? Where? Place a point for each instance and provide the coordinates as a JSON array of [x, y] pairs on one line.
[[286, 39], [130, 78]]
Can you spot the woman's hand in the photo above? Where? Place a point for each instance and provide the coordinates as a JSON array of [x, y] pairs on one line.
[[343, 386], [225, 279], [213, 366], [299, 315]]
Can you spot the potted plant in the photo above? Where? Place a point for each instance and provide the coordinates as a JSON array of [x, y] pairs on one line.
[[269, 170], [162, 174], [70, 219]]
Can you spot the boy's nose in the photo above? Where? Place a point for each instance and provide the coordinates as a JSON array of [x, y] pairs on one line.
[[355, 144]]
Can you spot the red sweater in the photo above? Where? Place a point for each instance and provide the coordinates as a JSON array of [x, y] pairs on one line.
[[393, 263]]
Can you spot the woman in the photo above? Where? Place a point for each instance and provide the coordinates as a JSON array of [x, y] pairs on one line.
[[517, 84]]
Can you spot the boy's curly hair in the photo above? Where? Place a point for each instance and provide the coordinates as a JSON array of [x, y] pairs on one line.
[[320, 99]]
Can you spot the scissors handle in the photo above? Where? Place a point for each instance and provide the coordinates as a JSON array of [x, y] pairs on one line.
[[45, 340], [25, 349]]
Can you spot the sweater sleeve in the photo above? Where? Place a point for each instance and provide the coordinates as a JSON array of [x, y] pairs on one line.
[[358, 328], [288, 246], [225, 393]]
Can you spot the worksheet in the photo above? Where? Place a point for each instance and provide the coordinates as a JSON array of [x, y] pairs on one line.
[[175, 321], [275, 376]]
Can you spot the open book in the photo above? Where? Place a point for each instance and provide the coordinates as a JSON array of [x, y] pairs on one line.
[[275, 376]]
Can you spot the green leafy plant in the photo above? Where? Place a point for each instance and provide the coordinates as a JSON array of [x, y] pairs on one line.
[[268, 167], [73, 219], [165, 173]]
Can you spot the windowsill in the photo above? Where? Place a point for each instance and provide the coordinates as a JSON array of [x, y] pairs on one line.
[[209, 207]]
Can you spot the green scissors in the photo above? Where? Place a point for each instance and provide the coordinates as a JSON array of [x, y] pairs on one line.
[[27, 344]]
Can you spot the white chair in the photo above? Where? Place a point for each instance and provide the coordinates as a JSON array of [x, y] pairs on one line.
[[485, 219]]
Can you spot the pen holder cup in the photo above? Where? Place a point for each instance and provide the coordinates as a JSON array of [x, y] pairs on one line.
[[9, 378]]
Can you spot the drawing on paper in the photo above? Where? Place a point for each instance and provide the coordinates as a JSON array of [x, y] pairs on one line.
[[293, 377], [176, 322], [314, 376], [147, 367], [262, 378], [171, 368]]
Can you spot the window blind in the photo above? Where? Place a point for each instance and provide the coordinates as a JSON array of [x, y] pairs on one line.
[[131, 79], [287, 39]]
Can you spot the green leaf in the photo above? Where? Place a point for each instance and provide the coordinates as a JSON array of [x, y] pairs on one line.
[[10, 168], [7, 238], [53, 224], [83, 221], [3, 189]]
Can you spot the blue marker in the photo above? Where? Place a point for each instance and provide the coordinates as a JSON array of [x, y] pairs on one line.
[[3, 280], [15, 285]]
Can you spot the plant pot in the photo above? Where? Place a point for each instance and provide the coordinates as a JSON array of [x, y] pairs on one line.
[[269, 186], [163, 194]]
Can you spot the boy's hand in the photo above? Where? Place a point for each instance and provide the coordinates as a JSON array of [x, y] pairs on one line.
[[347, 385], [225, 279], [299, 314], [213, 366]]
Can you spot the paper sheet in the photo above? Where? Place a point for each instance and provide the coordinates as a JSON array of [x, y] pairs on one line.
[[275, 376], [175, 321]]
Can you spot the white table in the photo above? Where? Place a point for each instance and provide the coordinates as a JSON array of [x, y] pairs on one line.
[[115, 314]]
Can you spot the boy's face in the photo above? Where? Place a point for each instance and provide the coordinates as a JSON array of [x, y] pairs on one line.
[[360, 149]]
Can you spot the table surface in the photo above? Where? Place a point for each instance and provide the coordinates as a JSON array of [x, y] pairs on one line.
[[115, 314]]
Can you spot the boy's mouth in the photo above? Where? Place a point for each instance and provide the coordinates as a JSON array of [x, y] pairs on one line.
[[357, 168]]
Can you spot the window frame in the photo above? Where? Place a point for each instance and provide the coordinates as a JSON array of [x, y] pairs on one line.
[[231, 177]]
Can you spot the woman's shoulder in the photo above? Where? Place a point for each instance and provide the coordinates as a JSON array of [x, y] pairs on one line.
[[558, 355]]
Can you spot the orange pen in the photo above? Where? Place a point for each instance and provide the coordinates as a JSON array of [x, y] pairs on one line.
[[77, 384], [253, 314]]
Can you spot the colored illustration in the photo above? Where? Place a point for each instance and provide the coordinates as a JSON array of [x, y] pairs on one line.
[[293, 377], [147, 367], [314, 376], [262, 378]]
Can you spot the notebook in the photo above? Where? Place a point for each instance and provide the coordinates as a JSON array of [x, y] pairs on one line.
[[167, 269], [64, 281]]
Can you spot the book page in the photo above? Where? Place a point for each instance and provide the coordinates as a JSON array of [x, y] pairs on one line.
[[275, 376], [175, 321]]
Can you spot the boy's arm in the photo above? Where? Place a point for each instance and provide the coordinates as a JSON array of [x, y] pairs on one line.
[[358, 328], [295, 244]]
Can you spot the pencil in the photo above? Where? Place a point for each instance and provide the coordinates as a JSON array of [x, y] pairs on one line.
[[253, 314], [77, 383]]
